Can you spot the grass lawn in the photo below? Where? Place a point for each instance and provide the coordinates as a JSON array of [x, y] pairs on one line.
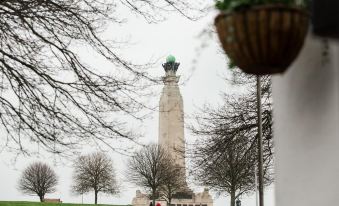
[[13, 203]]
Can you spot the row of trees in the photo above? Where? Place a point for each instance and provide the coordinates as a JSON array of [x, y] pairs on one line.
[[223, 159], [151, 168], [93, 172]]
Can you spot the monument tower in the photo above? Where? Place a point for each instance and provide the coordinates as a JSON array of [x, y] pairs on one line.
[[172, 137], [171, 116]]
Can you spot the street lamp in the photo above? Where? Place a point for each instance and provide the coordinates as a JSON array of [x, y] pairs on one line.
[[260, 147]]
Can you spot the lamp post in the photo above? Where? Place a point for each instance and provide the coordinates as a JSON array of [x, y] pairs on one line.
[[260, 150], [256, 185]]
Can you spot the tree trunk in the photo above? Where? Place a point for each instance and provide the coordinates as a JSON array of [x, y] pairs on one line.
[[95, 197], [153, 198], [232, 198], [41, 198]]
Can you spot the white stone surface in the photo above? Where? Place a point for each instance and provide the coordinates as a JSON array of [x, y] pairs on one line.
[[306, 128], [204, 198], [140, 199], [199, 199], [171, 119]]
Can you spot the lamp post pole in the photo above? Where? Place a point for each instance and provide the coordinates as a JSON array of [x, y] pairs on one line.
[[260, 147], [256, 185]]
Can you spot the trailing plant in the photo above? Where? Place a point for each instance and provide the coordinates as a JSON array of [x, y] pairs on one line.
[[233, 5]]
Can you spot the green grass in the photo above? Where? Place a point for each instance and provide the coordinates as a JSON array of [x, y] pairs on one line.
[[19, 203]]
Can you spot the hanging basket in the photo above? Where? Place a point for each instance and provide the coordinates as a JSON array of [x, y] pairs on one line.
[[263, 39]]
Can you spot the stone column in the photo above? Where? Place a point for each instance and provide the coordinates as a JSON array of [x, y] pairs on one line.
[[171, 115]]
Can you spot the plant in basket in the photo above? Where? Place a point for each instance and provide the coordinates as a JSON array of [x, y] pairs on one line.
[[262, 36]]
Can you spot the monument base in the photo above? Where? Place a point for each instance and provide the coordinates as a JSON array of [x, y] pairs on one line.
[[187, 198]]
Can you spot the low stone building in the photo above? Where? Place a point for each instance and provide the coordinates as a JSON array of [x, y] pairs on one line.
[[198, 199], [49, 200], [140, 199]]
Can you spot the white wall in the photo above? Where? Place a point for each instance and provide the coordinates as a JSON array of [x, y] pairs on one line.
[[306, 120]]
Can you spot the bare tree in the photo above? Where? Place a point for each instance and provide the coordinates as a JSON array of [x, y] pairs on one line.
[[48, 93], [38, 179], [173, 182], [150, 169], [226, 157], [94, 172]]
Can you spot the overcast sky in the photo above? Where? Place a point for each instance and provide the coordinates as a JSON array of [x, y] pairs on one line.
[[201, 69]]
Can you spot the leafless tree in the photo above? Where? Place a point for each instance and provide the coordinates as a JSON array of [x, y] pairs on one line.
[[226, 157], [94, 172], [150, 168], [49, 94], [173, 183], [38, 179]]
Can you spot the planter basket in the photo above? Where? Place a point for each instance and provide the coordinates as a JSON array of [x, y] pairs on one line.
[[263, 39]]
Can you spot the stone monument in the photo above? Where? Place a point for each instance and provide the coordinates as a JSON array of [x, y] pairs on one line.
[[172, 137], [171, 119]]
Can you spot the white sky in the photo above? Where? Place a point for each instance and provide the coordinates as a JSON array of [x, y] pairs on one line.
[[177, 36]]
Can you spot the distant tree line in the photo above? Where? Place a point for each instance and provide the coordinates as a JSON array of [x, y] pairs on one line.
[[92, 172], [152, 168]]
